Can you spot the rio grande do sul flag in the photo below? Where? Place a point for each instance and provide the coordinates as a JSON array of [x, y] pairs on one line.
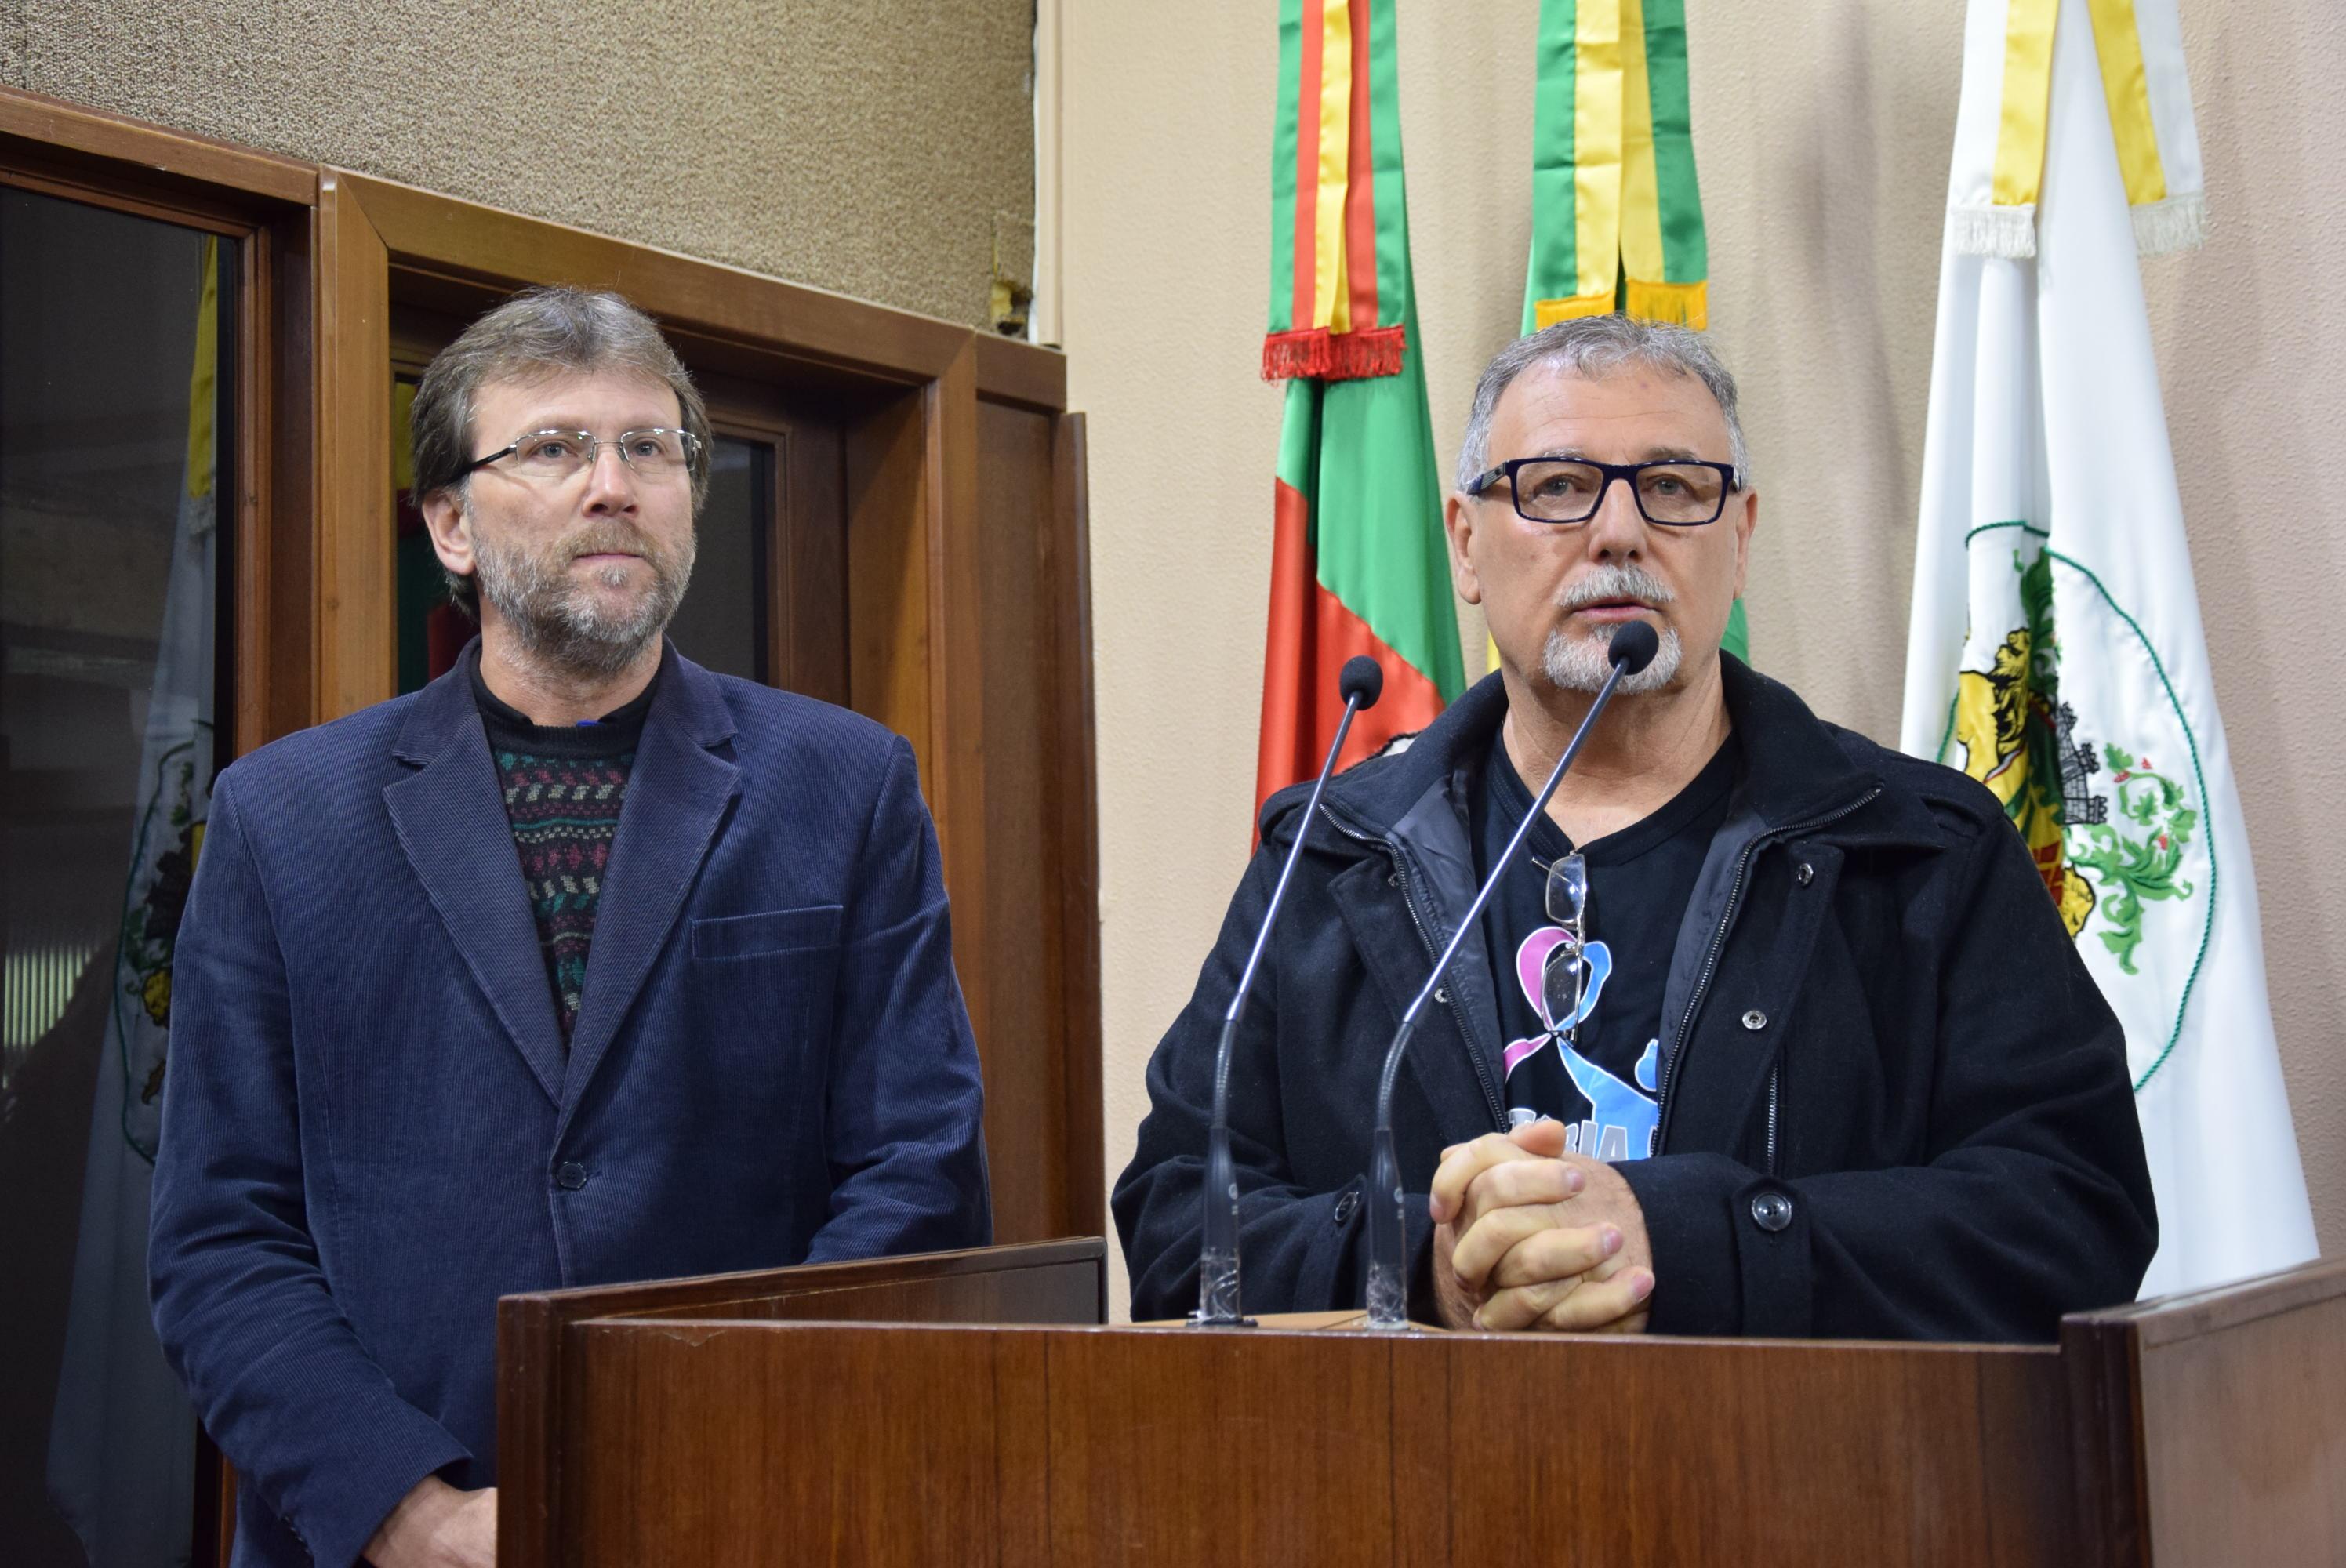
[[2056, 651], [1358, 561]]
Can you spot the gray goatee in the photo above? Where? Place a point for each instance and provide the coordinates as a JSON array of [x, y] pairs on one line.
[[1577, 662]]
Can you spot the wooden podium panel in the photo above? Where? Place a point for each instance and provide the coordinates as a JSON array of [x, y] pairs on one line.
[[1749, 1452], [2198, 1430], [591, 1378]]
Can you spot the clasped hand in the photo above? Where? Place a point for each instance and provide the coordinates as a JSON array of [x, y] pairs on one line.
[[1528, 1236]]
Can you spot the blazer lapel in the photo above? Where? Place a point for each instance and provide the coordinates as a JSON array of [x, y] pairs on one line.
[[450, 819], [677, 793]]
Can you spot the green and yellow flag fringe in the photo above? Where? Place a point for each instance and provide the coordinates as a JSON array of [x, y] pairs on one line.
[[1616, 215]]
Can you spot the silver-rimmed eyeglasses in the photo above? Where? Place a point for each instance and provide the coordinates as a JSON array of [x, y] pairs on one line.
[[1564, 977], [554, 455]]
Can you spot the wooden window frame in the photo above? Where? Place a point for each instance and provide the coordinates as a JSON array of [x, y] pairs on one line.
[[267, 204]]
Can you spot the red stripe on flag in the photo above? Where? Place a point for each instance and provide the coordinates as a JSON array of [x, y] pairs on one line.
[[1312, 633], [1361, 184], [1307, 169]]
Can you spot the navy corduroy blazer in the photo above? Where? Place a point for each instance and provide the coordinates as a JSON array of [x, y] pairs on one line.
[[371, 1129]]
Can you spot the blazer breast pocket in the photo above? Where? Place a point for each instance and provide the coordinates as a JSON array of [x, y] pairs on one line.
[[815, 927]]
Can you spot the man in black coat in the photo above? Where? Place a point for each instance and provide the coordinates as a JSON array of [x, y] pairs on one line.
[[1770, 1031]]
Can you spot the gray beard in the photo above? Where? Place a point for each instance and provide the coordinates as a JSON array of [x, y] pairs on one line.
[[1580, 662], [563, 627]]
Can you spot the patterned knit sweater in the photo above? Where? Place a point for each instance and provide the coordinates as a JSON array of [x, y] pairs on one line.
[[564, 788]]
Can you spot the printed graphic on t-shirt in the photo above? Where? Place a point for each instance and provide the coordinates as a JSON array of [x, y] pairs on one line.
[[1624, 1117]]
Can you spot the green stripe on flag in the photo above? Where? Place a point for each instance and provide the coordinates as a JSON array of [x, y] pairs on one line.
[[1384, 152], [1554, 273], [1299, 443], [1389, 564], [1283, 155], [1685, 252]]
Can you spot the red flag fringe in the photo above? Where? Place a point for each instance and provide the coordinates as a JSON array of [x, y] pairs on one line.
[[1319, 355]]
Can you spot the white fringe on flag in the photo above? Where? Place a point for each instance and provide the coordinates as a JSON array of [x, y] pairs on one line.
[[2009, 232], [2178, 223]]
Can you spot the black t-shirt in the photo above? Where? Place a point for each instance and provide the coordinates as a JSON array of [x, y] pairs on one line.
[[616, 733], [1603, 1079]]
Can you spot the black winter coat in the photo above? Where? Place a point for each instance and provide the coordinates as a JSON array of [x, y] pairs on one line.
[[1894, 1104]]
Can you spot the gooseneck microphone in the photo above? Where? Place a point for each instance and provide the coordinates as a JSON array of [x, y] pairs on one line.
[[1362, 682], [1632, 649]]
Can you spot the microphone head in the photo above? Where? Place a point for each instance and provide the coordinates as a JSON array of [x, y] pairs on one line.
[[1364, 678], [1633, 647]]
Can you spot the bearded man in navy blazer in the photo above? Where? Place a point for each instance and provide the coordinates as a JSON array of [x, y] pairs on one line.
[[582, 964]]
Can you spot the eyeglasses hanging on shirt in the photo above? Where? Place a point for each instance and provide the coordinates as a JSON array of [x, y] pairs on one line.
[[1564, 974]]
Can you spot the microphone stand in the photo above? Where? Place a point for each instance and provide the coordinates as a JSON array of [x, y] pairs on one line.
[[1218, 1257], [1388, 1245]]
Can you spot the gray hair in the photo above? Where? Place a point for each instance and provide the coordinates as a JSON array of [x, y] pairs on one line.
[[1593, 346], [539, 332]]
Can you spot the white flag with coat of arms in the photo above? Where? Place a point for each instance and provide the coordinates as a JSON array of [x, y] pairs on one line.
[[2056, 651], [122, 1435]]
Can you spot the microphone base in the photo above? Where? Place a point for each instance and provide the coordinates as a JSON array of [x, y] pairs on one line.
[[1217, 1287], [1388, 1247]]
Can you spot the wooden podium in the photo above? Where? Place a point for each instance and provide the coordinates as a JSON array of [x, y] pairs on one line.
[[969, 1408]]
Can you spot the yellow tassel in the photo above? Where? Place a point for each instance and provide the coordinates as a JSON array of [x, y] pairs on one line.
[[1548, 313], [1687, 304]]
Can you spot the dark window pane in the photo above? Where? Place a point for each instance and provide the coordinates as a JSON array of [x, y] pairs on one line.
[[432, 630], [722, 622], [116, 349]]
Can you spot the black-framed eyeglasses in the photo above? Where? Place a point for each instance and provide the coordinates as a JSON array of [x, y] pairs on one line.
[[1675, 494], [553, 455]]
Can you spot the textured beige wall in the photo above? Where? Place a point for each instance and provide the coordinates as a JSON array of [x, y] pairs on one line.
[[872, 147], [1822, 133]]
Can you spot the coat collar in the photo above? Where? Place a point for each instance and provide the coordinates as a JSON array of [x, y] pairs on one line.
[[450, 819], [1797, 768], [444, 712]]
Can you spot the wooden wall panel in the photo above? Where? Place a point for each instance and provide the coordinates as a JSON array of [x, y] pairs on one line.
[[356, 652], [811, 638], [750, 1434], [1177, 1446], [1182, 1447], [1073, 818], [888, 566], [953, 766], [1026, 1027], [2218, 1428]]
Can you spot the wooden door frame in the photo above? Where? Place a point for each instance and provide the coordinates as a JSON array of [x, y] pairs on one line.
[[914, 384]]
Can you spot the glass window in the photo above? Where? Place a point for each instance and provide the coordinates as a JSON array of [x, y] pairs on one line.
[[722, 622], [115, 356]]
